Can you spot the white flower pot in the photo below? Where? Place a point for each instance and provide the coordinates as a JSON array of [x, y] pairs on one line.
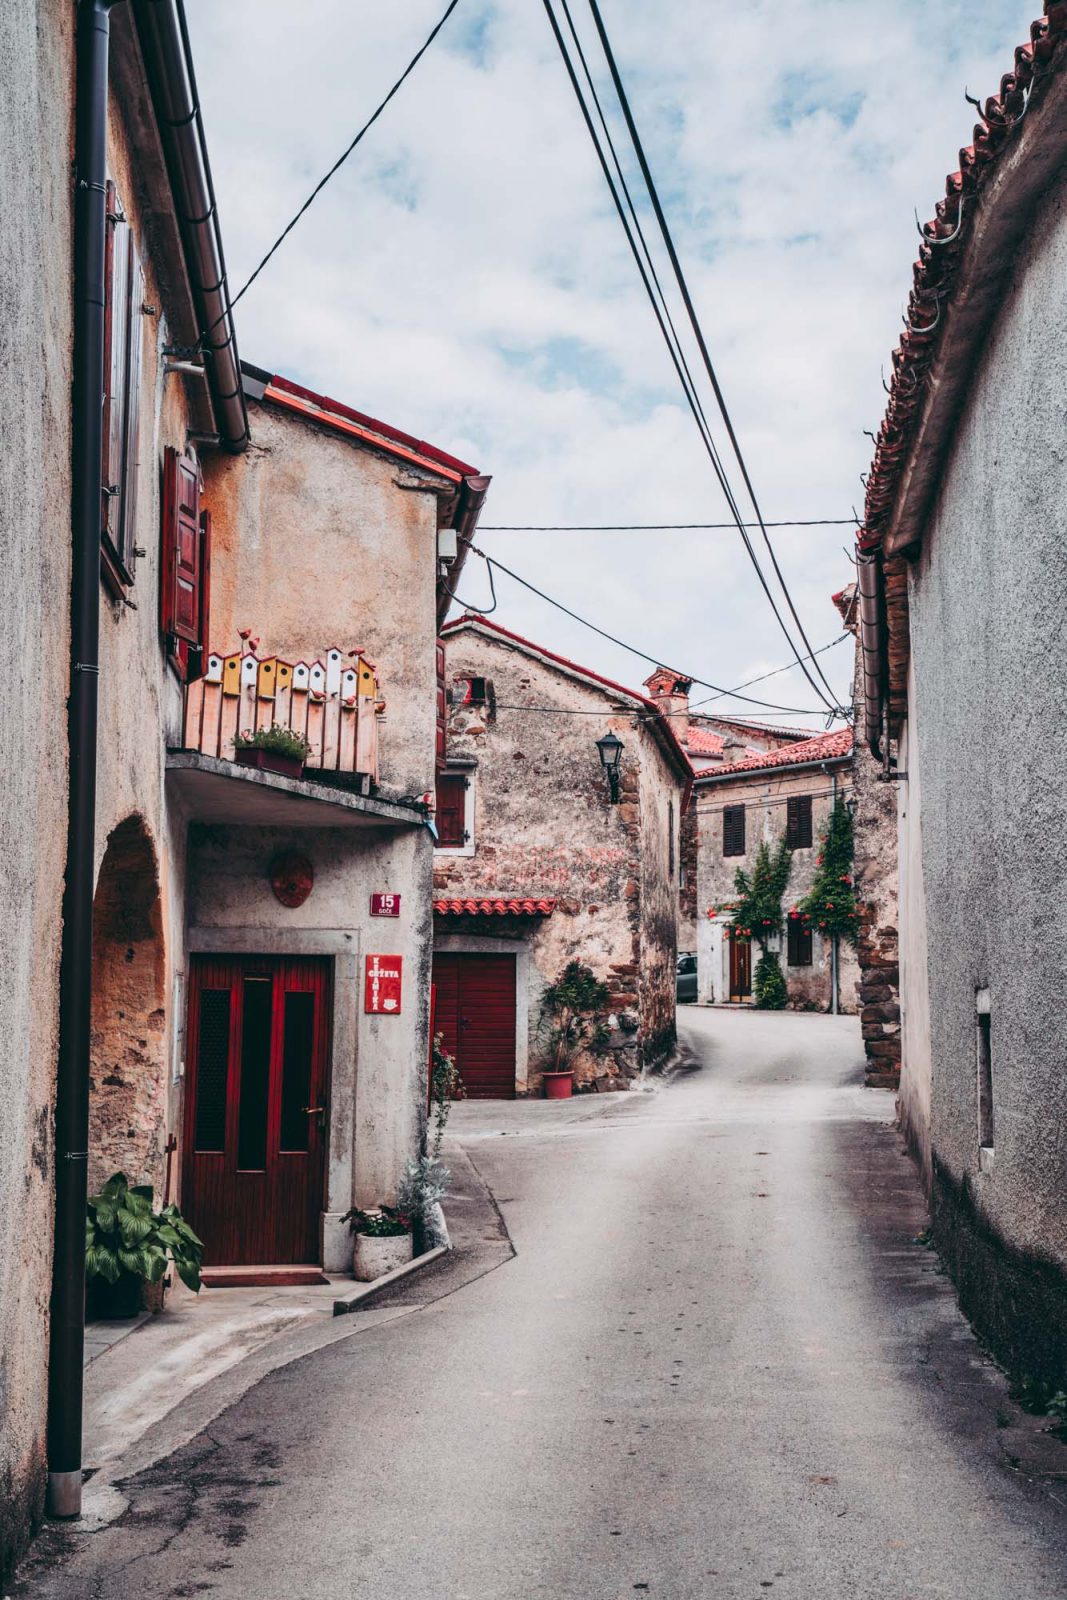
[[373, 1257]]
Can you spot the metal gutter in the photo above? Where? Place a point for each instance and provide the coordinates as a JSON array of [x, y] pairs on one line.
[[67, 1312], [471, 499], [701, 780], [164, 41]]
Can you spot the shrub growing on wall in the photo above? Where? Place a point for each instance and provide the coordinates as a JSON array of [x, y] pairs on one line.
[[831, 904], [759, 905]]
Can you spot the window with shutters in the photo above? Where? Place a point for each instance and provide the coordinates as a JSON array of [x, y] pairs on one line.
[[798, 822], [123, 338], [798, 941], [733, 830], [185, 577], [455, 813]]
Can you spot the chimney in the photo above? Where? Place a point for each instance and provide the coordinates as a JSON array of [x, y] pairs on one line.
[[670, 691]]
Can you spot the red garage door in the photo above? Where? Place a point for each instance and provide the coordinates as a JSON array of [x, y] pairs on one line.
[[476, 1016]]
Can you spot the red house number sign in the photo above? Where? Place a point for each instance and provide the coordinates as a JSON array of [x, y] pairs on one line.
[[385, 905], [382, 991]]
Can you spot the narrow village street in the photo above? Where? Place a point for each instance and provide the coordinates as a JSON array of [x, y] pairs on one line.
[[719, 1364]]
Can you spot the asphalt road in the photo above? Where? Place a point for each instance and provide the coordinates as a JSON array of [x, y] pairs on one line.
[[718, 1366]]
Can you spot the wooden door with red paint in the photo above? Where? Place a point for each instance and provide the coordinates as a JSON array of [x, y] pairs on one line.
[[740, 970], [475, 1014], [255, 1124]]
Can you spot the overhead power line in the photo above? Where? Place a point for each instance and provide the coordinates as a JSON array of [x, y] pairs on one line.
[[654, 527], [338, 164], [656, 661], [627, 213], [694, 320]]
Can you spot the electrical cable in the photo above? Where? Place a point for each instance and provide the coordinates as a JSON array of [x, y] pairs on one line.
[[767, 705], [566, 711], [371, 120], [654, 527], [653, 193], [677, 356]]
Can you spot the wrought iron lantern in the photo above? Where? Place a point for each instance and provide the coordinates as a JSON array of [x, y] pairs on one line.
[[610, 750]]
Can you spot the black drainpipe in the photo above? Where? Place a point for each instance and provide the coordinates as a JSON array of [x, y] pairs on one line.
[[67, 1326]]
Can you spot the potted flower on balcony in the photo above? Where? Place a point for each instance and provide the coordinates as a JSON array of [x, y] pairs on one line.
[[128, 1248], [274, 749], [383, 1241], [572, 1024]]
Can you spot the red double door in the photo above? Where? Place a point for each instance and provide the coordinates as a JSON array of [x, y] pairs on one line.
[[255, 1125], [475, 1014]]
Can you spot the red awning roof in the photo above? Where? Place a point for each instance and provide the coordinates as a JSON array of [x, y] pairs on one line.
[[494, 908]]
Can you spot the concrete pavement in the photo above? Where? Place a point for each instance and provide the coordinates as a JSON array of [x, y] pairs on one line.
[[719, 1366]]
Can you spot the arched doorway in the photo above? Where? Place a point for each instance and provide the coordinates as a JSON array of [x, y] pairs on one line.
[[128, 1101]]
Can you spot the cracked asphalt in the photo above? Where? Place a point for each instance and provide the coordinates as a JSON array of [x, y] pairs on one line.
[[719, 1365]]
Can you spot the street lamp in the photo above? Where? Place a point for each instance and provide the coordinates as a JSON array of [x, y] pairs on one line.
[[610, 750]]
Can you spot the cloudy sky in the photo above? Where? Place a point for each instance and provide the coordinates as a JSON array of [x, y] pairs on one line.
[[465, 278]]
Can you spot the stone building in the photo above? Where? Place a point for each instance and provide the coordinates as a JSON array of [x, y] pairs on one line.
[[874, 820], [535, 865], [739, 805], [251, 554], [962, 616], [709, 741]]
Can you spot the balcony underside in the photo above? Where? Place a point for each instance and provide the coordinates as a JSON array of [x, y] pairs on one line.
[[213, 790]]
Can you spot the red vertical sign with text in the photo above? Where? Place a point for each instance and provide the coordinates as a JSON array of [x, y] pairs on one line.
[[382, 990]]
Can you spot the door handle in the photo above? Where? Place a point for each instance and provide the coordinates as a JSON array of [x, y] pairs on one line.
[[317, 1111]]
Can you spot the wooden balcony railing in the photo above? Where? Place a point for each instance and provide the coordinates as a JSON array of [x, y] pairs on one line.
[[333, 702]]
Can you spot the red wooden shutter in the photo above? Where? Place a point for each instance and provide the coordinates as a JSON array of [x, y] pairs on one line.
[[451, 813], [196, 656], [182, 571], [127, 513], [116, 338], [441, 746]]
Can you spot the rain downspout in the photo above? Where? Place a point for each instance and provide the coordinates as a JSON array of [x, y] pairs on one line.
[[833, 941], [67, 1322]]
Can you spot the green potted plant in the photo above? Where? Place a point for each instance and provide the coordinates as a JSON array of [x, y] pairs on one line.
[[274, 749], [571, 1024], [129, 1246], [383, 1241]]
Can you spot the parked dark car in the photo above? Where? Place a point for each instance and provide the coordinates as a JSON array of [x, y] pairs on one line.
[[687, 978]]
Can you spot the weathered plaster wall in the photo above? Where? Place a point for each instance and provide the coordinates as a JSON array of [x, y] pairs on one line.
[[378, 1076], [988, 619], [314, 545], [36, 108], [544, 827], [660, 796], [764, 797], [687, 878]]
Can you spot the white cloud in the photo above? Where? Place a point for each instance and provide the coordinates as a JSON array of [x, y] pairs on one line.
[[464, 275]]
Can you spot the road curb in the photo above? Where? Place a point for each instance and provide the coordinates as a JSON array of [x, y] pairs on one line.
[[363, 1296]]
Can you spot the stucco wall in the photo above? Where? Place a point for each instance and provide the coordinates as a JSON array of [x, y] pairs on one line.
[[764, 797], [36, 107], [315, 545], [988, 617], [544, 827]]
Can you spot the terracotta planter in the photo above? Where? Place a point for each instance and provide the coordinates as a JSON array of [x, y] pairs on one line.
[[558, 1085], [374, 1256], [269, 761]]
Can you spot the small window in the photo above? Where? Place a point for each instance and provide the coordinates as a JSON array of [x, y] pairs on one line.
[[798, 822], [985, 1071], [185, 577], [798, 941], [123, 301], [453, 808], [733, 831]]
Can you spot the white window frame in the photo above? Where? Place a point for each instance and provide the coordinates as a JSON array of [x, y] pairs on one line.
[[470, 847]]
